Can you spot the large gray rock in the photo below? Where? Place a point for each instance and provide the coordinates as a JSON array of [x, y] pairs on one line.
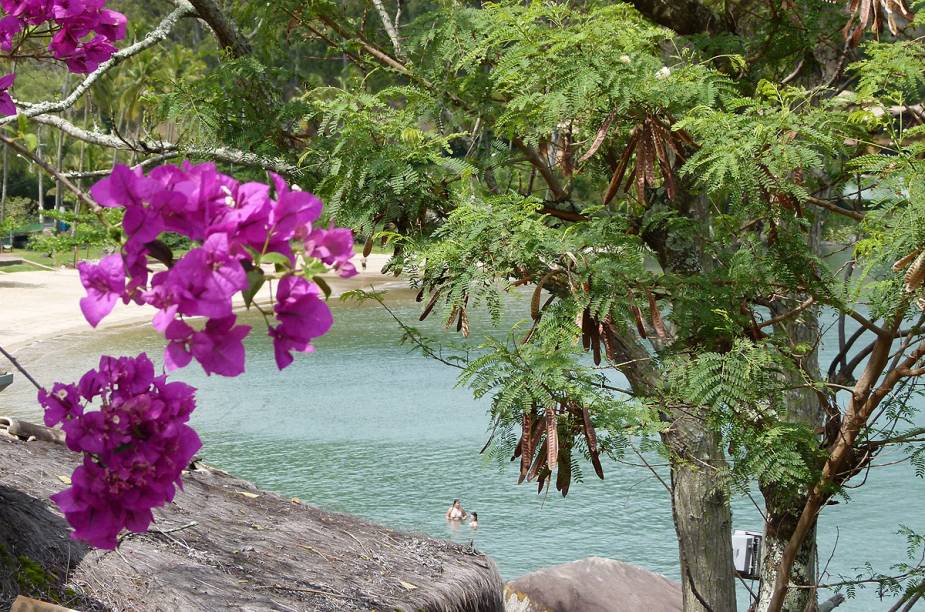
[[595, 584]]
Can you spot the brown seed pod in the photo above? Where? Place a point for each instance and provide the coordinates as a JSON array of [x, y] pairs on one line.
[[552, 439], [657, 322], [903, 263], [453, 315], [915, 274], [586, 327], [368, 247], [463, 323], [538, 462], [564, 474], [430, 305]]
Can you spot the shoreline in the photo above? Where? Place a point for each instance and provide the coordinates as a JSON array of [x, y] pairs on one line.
[[41, 305]]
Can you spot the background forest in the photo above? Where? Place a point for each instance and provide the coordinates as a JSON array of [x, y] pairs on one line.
[[693, 193]]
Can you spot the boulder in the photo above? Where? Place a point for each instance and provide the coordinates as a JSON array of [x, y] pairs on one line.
[[594, 583]]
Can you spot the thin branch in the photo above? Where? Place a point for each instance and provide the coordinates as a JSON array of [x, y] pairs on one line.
[[63, 180], [154, 37], [20, 368], [389, 27], [851, 214], [788, 315], [142, 164]]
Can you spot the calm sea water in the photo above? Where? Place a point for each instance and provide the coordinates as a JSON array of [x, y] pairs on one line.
[[364, 426]]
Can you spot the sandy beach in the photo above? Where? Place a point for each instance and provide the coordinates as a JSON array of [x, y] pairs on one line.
[[35, 306]]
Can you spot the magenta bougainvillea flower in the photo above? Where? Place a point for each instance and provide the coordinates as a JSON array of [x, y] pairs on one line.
[[81, 33], [135, 447], [6, 102], [302, 317], [105, 284], [235, 226], [333, 246]]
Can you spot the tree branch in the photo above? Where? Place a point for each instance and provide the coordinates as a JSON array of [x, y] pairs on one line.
[[153, 37], [389, 28], [683, 16], [86, 199], [225, 31], [851, 214], [148, 147], [789, 314]]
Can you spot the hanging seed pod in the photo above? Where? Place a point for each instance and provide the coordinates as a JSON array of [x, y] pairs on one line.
[[544, 474], [915, 274], [463, 322], [610, 340], [621, 168], [586, 329], [596, 341], [657, 322], [640, 322], [552, 439], [903, 263], [538, 462], [368, 247], [535, 301], [453, 315], [518, 450], [591, 437], [430, 305], [564, 473], [527, 449]]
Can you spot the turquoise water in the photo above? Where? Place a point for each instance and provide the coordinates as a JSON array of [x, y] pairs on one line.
[[367, 427]]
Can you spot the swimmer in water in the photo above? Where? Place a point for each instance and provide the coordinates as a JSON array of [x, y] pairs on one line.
[[474, 523], [455, 512]]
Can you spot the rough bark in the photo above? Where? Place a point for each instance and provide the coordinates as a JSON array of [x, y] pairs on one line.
[[683, 16], [224, 545], [225, 31], [699, 501], [783, 507], [702, 517]]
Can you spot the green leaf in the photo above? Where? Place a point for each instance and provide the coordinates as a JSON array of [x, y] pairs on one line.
[[255, 280], [324, 286], [313, 269], [278, 259]]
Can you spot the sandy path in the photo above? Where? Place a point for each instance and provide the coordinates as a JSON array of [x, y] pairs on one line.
[[38, 305]]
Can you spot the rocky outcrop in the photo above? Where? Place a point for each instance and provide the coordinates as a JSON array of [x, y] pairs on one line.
[[603, 585]]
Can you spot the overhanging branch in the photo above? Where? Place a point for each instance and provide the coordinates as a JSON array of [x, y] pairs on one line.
[[153, 37], [152, 147]]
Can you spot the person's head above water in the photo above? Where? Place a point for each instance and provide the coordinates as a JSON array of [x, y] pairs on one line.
[[455, 502], [475, 516]]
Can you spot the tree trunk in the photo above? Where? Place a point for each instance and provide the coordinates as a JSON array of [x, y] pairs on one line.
[[40, 172], [785, 506], [781, 522], [702, 517]]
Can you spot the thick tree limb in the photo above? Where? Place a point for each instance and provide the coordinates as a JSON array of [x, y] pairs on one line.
[[153, 37], [683, 16], [225, 31], [540, 164], [150, 147]]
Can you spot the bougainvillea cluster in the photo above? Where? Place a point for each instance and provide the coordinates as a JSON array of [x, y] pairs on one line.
[[82, 34], [135, 445], [235, 227]]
